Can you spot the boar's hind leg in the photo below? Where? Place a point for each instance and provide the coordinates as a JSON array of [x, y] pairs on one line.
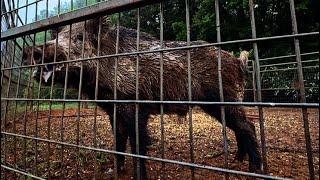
[[143, 140], [121, 139], [244, 131]]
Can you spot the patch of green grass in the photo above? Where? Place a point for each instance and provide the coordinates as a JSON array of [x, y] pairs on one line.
[[102, 158], [21, 107], [57, 106]]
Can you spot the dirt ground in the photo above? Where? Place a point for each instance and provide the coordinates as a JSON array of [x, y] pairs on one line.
[[286, 152]]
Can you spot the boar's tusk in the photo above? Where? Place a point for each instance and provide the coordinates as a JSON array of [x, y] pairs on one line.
[[46, 66], [35, 71], [59, 68], [46, 75]]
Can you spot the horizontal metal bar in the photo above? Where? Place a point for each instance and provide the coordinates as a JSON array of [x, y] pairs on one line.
[[309, 67], [289, 63], [274, 89], [289, 56], [149, 158], [21, 172], [26, 5], [264, 104], [96, 10], [286, 69], [166, 50]]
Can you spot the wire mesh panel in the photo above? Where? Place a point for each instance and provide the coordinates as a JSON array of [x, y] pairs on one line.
[[126, 89]]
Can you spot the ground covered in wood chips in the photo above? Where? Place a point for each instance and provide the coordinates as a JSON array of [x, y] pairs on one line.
[[284, 132]]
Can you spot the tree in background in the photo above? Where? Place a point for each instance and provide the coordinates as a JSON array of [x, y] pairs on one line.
[[272, 18]]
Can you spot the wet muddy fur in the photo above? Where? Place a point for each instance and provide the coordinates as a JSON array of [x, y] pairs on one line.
[[175, 82]]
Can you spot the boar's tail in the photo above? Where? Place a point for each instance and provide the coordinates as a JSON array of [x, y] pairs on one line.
[[244, 55]]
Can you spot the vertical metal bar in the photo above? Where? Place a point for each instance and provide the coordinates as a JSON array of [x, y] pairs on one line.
[[64, 103], [3, 151], [38, 104], [79, 95], [222, 108], [189, 88], [17, 13], [14, 54], [14, 121], [7, 57], [115, 97], [137, 95], [4, 59], [59, 6], [71, 5], [36, 13], [302, 91], [26, 18], [50, 106], [25, 120], [33, 84], [5, 15], [11, 14], [16, 106], [47, 8], [254, 85], [7, 107], [96, 91], [34, 42], [26, 106], [258, 83], [161, 92]]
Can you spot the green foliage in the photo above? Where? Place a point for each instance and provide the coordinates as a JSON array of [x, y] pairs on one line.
[[43, 36], [180, 30], [204, 22], [57, 93], [272, 18], [102, 158]]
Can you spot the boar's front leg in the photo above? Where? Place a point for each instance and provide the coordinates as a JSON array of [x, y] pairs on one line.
[[121, 138], [143, 137]]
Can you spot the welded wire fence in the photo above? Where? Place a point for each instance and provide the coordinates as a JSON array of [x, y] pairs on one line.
[[42, 138]]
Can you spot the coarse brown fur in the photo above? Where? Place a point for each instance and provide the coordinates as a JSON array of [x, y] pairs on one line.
[[204, 81]]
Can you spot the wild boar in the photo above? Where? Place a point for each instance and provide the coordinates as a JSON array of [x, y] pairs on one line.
[[204, 81]]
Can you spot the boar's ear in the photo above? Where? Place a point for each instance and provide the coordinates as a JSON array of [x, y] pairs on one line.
[[53, 32], [92, 25]]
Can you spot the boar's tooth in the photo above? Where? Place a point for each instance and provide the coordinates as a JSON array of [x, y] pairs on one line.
[[46, 66], [34, 73], [78, 64], [46, 75], [59, 68]]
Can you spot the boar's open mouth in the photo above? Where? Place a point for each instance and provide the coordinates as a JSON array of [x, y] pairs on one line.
[[46, 74], [49, 69]]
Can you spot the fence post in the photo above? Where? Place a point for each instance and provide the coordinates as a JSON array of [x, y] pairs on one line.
[[302, 90]]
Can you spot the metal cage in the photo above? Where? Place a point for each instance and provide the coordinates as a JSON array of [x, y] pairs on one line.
[[33, 132]]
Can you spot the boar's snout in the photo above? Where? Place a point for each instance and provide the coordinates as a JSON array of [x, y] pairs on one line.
[[33, 56]]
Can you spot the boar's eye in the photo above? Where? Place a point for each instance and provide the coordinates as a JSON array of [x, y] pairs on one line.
[[37, 55], [79, 37]]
